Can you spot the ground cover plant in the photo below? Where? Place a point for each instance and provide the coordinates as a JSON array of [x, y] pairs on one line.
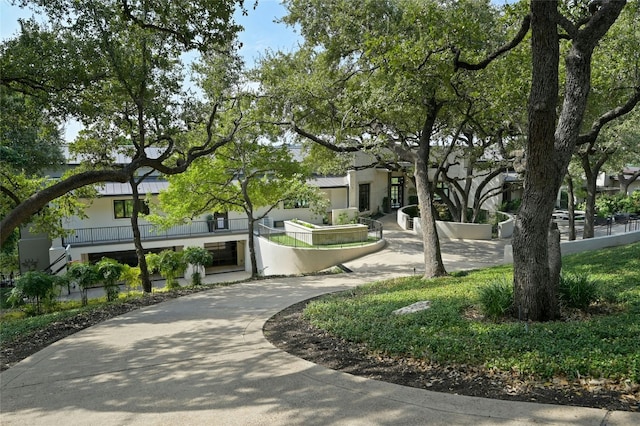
[[599, 344]]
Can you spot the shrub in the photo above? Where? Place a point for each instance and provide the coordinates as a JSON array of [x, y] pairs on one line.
[[608, 205], [344, 218], [442, 211], [577, 290], [110, 271], [511, 206], [35, 286], [496, 298], [85, 275], [199, 257], [170, 264], [131, 277]]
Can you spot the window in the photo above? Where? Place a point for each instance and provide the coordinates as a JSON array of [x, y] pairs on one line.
[[123, 209], [224, 253], [364, 191], [296, 204], [441, 188]]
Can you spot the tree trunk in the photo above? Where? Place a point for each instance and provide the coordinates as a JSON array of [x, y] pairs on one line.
[[555, 265], [533, 286], [433, 266], [252, 248], [137, 240], [571, 207], [550, 146], [590, 202], [626, 182], [244, 186]]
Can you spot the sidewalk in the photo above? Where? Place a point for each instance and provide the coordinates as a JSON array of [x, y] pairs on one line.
[[202, 359]]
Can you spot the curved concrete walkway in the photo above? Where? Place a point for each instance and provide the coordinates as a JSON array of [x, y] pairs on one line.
[[202, 359]]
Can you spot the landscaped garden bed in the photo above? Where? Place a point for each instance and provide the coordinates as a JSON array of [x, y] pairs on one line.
[[316, 235]]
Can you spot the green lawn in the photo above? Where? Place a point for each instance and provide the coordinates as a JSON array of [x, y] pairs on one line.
[[597, 345]]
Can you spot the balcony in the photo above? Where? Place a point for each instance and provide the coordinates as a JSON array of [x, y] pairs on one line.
[[124, 234]]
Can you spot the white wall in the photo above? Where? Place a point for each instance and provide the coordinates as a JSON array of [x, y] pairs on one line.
[[378, 179], [100, 214], [590, 244], [274, 259], [79, 253]]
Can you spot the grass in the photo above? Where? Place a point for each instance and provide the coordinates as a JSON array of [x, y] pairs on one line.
[[597, 345]]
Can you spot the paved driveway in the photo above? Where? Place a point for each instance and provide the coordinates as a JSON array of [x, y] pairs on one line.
[[202, 359]]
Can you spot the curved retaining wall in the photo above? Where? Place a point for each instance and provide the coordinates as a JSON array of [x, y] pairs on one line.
[[505, 228], [457, 231], [578, 246], [463, 231], [451, 230], [276, 259], [404, 219]]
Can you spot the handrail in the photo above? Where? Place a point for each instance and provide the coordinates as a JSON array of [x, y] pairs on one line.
[[48, 268], [114, 234]]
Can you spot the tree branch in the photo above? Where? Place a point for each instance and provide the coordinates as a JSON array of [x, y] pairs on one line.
[[6, 191], [608, 116], [31, 205], [324, 143], [524, 29]]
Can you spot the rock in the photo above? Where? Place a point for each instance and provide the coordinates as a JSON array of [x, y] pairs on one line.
[[416, 307]]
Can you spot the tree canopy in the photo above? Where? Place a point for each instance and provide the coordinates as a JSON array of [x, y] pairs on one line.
[[116, 67], [380, 77]]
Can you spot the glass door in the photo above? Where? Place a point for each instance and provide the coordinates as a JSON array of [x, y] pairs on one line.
[[397, 192]]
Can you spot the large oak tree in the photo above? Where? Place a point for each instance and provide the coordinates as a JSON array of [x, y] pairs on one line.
[[379, 77], [116, 67], [552, 138]]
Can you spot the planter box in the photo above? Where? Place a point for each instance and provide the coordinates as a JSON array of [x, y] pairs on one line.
[[466, 231], [324, 235], [457, 230]]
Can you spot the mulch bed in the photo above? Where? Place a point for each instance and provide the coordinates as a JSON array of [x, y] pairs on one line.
[[289, 331]]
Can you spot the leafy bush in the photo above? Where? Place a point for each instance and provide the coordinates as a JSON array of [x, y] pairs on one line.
[[169, 264], [608, 205], [511, 206], [496, 298], [199, 257], [442, 211], [35, 286], [85, 275], [577, 290], [344, 218], [131, 277], [110, 271]]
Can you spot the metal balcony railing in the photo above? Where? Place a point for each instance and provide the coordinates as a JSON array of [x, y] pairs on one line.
[[119, 234]]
